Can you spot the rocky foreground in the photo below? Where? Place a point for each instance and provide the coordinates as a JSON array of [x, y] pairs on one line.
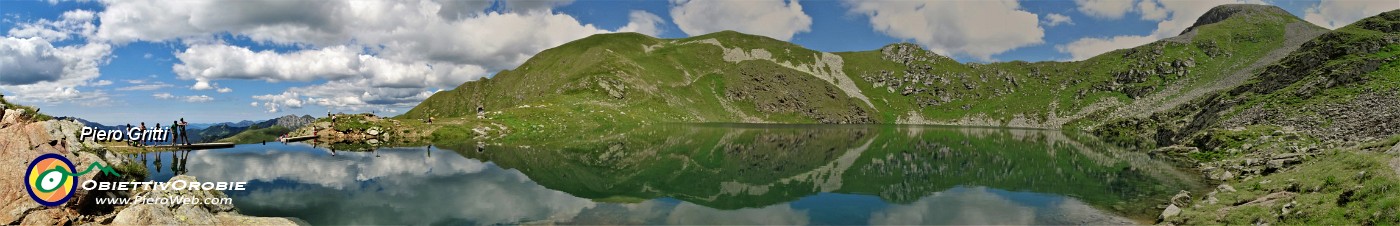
[[22, 138], [1312, 139]]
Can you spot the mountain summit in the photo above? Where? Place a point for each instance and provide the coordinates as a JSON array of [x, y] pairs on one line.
[[1223, 12]]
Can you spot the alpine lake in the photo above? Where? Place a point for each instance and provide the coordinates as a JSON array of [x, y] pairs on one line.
[[702, 174]]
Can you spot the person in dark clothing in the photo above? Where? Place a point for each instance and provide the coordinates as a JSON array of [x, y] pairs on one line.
[[129, 142], [183, 134], [174, 132], [142, 138]]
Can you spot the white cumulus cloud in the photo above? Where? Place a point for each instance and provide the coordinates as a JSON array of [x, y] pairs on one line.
[[1333, 14], [776, 19], [1085, 48], [163, 96], [30, 60], [210, 62], [1055, 19], [274, 103], [36, 71], [198, 99], [1150, 10], [42, 63], [70, 24], [1105, 9], [978, 29], [643, 22], [361, 48]]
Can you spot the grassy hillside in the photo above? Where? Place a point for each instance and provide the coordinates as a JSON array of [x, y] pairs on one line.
[[264, 131], [1311, 139], [214, 133], [257, 135], [628, 79], [1340, 86]]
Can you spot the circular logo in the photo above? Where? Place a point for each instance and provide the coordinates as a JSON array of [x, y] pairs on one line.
[[48, 179]]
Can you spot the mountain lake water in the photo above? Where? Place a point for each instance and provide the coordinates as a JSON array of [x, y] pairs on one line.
[[702, 174]]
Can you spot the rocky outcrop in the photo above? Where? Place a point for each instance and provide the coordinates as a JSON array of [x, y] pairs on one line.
[[1279, 161], [1170, 212], [200, 214], [361, 132], [1369, 116], [293, 121], [906, 53], [752, 82], [1341, 59], [22, 141], [1306, 90]]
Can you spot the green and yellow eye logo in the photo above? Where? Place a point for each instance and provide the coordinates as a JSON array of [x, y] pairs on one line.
[[51, 181]]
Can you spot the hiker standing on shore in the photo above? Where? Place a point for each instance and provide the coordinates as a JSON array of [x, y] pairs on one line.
[[142, 138], [162, 135], [129, 142], [183, 134], [174, 133]]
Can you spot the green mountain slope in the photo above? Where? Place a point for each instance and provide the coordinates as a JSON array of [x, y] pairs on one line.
[[255, 135], [1341, 86], [631, 79], [264, 131], [1323, 121]]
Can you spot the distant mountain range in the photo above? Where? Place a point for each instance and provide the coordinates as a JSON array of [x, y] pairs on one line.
[[226, 130], [244, 123], [88, 123]]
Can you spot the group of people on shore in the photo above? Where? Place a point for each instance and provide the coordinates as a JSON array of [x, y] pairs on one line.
[[176, 135]]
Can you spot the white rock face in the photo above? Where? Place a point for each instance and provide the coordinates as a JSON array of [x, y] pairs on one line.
[[828, 67]]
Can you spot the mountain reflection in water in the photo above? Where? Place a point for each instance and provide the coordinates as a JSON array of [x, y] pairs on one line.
[[702, 174]]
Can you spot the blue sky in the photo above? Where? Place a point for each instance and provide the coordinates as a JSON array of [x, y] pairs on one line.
[[118, 62]]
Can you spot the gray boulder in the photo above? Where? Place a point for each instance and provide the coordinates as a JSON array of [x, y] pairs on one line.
[[1182, 198], [1167, 214]]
